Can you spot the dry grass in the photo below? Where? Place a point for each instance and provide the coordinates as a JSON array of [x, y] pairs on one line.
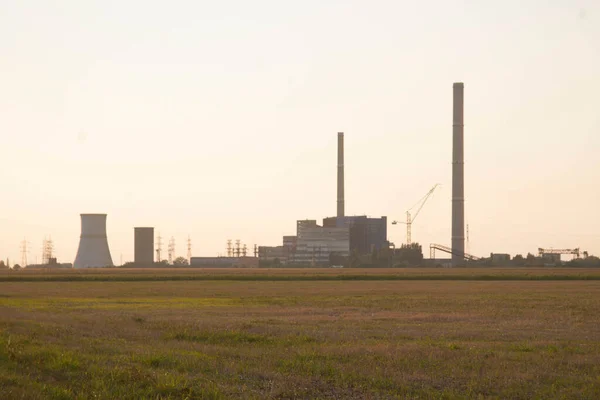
[[300, 339], [296, 274]]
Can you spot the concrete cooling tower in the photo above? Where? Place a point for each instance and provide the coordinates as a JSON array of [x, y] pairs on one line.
[[93, 245]]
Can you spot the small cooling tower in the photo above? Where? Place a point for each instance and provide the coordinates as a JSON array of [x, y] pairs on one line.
[[93, 245]]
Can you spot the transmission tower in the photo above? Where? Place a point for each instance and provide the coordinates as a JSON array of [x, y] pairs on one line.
[[244, 250], [24, 252], [468, 243], [50, 250], [44, 248], [171, 250], [158, 248], [47, 250], [237, 248], [255, 251], [229, 249], [189, 248]]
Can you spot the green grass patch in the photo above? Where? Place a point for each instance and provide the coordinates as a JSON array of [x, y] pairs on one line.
[[219, 337]]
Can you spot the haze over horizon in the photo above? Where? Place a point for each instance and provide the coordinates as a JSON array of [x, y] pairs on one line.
[[220, 120]]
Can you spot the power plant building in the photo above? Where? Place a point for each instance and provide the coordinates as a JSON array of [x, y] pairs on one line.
[[366, 234], [144, 246], [315, 244], [339, 236], [93, 248]]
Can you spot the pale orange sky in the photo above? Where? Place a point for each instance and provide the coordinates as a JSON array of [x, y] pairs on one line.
[[219, 119]]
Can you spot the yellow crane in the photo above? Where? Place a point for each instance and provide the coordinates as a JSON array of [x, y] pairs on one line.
[[411, 218]]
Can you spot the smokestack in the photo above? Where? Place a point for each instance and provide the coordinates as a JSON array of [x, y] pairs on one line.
[[93, 246], [458, 176], [340, 176]]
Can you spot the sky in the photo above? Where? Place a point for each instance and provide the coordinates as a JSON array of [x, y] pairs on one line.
[[219, 120]]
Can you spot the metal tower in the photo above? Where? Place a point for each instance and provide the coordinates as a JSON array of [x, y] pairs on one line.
[[171, 250], [229, 248], [24, 252], [158, 248], [237, 248], [189, 249]]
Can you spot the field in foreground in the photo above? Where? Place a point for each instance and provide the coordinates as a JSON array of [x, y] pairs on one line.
[[300, 339], [295, 274]]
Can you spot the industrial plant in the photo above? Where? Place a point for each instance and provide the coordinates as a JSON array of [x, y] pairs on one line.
[[339, 240], [336, 239]]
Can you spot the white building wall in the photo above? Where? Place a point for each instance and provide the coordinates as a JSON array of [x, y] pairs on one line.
[[315, 243]]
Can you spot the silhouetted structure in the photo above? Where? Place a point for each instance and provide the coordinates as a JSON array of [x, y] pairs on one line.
[[366, 234], [144, 246], [458, 184], [340, 176], [93, 245]]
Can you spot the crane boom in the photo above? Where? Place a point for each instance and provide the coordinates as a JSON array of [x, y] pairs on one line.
[[410, 219], [424, 200]]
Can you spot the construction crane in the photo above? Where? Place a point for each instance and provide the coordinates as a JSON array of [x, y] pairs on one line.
[[411, 218]]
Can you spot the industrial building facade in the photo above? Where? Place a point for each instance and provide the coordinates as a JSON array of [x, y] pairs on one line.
[[315, 244], [366, 234]]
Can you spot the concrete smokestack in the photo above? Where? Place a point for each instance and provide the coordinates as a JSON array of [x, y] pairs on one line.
[[458, 176], [340, 176], [93, 245]]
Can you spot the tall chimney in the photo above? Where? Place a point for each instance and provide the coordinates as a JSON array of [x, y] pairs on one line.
[[458, 176], [340, 176]]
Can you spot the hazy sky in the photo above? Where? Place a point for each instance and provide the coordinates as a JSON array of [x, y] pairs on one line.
[[218, 119]]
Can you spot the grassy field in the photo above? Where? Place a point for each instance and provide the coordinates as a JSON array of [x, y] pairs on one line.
[[296, 274], [339, 339]]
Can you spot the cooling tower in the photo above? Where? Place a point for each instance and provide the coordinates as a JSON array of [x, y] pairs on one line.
[[144, 246], [93, 245], [458, 176], [340, 176]]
